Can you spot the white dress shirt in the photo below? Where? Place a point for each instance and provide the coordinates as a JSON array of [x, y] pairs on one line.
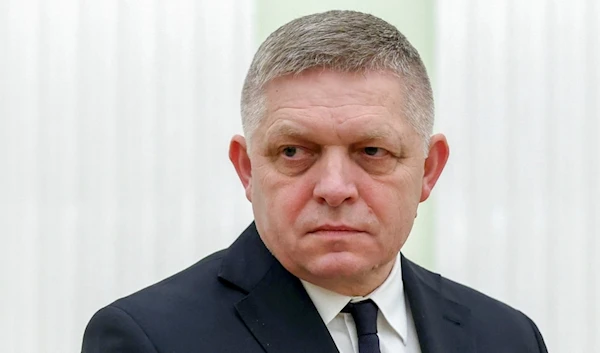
[[395, 326]]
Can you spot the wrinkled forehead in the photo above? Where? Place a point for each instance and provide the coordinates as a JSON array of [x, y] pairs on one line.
[[328, 88], [354, 107]]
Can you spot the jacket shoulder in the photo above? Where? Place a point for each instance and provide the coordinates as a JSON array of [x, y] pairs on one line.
[[186, 290], [468, 297], [180, 311], [492, 320]]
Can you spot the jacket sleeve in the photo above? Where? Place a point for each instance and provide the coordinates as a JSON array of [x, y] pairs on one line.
[[112, 330]]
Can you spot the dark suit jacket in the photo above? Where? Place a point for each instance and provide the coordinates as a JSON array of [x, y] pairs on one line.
[[241, 300]]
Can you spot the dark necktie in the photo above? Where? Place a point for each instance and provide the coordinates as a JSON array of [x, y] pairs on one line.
[[365, 317]]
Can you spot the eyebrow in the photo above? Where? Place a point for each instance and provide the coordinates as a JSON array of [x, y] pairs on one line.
[[287, 130], [378, 134]]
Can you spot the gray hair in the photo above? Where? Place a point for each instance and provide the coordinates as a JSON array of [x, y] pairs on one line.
[[343, 41]]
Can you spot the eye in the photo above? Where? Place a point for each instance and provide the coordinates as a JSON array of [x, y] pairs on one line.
[[376, 160], [294, 160], [290, 151], [294, 152], [375, 151]]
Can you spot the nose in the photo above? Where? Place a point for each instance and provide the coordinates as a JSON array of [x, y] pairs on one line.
[[335, 183]]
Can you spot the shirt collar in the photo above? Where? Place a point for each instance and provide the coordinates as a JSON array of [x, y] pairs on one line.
[[389, 297]]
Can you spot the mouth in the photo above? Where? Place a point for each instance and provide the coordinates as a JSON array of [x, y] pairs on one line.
[[336, 230]]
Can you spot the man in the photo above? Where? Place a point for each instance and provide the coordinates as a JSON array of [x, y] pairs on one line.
[[337, 112]]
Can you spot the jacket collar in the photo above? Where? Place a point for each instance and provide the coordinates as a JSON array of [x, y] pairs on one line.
[[246, 261], [281, 316], [442, 324], [277, 310]]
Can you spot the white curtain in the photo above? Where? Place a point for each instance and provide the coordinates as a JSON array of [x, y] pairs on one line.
[[518, 208], [115, 119]]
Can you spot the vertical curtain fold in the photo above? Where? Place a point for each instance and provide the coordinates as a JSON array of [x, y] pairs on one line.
[[115, 119], [517, 212]]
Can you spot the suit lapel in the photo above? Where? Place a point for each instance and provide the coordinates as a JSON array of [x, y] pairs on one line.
[[282, 317], [443, 326], [277, 310]]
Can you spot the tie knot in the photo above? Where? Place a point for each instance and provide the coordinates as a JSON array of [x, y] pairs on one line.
[[364, 314]]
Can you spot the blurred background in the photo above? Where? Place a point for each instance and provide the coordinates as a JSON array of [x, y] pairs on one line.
[[115, 119]]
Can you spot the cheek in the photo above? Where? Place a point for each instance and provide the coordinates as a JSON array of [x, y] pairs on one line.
[[409, 180], [292, 203], [284, 199], [394, 200]]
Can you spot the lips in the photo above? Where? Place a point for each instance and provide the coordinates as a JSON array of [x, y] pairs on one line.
[[336, 229]]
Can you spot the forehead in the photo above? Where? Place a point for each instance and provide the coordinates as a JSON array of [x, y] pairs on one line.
[[327, 88], [368, 104]]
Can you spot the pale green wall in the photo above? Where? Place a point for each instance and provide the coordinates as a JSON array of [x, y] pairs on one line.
[[414, 18]]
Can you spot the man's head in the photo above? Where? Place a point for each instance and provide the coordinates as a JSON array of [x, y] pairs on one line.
[[337, 111]]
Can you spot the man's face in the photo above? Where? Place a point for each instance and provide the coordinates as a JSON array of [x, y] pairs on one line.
[[335, 174]]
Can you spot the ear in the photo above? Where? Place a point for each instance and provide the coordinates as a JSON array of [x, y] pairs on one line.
[[434, 164], [238, 155]]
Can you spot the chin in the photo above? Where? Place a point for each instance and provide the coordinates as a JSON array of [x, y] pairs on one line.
[[336, 265]]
